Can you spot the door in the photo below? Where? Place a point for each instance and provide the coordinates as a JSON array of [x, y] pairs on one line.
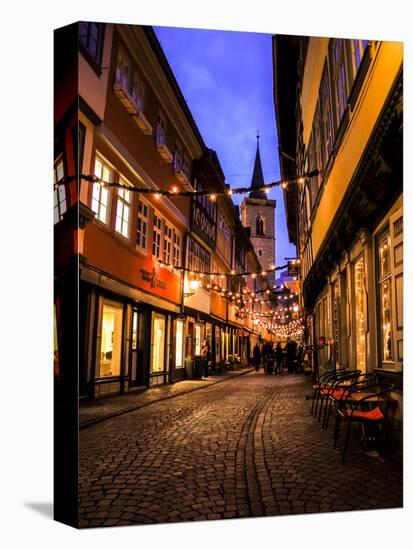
[[137, 374]]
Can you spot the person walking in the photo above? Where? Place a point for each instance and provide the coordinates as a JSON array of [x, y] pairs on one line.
[[205, 354], [279, 358], [257, 357]]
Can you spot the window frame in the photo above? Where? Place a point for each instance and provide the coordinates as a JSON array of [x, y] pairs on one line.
[[338, 79], [60, 191], [123, 202], [96, 187], [94, 61], [131, 81], [157, 230], [144, 219], [381, 280]]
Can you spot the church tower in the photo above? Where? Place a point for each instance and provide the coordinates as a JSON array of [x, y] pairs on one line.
[[257, 214]]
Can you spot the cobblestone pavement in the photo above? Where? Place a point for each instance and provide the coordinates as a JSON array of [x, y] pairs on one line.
[[245, 447], [91, 412]]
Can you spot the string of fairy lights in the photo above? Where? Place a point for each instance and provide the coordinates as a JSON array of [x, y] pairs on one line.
[[241, 298], [175, 191]]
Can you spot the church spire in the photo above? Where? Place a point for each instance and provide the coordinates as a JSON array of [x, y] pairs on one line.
[[257, 179]]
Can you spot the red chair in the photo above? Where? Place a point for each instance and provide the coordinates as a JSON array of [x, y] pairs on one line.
[[368, 406]]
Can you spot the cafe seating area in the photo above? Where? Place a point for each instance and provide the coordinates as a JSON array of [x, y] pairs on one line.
[[355, 399]]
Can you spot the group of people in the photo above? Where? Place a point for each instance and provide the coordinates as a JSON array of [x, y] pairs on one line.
[[275, 358]]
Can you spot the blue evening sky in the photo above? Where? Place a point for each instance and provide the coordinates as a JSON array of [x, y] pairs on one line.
[[226, 79]]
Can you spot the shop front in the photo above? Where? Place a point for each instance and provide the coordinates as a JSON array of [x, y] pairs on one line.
[[128, 338]]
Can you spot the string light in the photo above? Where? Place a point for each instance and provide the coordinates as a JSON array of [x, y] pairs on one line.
[[144, 190]]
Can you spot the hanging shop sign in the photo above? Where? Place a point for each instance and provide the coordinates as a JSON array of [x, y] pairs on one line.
[[293, 268]]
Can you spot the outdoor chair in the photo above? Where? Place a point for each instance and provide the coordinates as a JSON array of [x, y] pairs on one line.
[[324, 381], [368, 407], [340, 383], [338, 393]]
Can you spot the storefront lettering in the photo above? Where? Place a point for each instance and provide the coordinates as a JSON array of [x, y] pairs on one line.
[[150, 277]]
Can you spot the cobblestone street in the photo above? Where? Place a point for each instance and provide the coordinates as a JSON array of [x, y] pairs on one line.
[[248, 446]]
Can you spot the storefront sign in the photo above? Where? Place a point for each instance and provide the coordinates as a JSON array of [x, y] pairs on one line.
[[150, 277]]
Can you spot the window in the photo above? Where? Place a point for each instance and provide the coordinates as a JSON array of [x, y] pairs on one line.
[[91, 38], [318, 152], [111, 339], [326, 118], [385, 297], [161, 129], [358, 48], [142, 226], [224, 229], [178, 157], [179, 344], [60, 206], [338, 77], [158, 342], [360, 314], [123, 211], [157, 235], [167, 244], [100, 196], [123, 69], [260, 252], [137, 91], [311, 163], [177, 249], [185, 165], [217, 344], [198, 258], [197, 339], [259, 225], [128, 77]]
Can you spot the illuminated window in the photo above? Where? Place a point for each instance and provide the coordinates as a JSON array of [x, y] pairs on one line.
[[142, 226], [100, 196], [158, 343], [60, 206], [123, 211], [385, 294], [197, 339], [179, 344], [157, 236], [111, 339], [360, 313]]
